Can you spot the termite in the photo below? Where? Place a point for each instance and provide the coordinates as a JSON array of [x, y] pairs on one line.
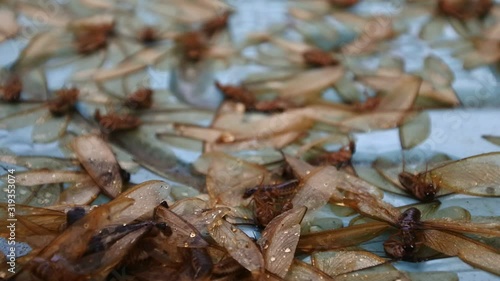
[[11, 89], [64, 101], [318, 58], [114, 122]]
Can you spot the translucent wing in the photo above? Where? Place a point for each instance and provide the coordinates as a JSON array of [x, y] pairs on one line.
[[476, 175], [183, 233], [99, 161], [340, 238], [468, 250], [241, 247], [279, 239]]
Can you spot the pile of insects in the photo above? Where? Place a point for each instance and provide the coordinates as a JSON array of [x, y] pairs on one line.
[[157, 164]]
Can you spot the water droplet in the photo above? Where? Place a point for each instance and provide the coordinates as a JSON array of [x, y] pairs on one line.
[[192, 235], [287, 250], [273, 258]]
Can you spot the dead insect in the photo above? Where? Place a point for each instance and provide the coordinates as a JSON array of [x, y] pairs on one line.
[[140, 99], [465, 9], [421, 186], [92, 36], [54, 113], [338, 158], [113, 122], [475, 175], [442, 235], [64, 101], [11, 89], [271, 200], [237, 94], [319, 58], [192, 45], [404, 244], [242, 95]]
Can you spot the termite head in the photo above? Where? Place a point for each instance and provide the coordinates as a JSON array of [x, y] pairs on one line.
[[64, 101], [465, 9], [420, 186], [140, 99], [12, 88], [318, 58]]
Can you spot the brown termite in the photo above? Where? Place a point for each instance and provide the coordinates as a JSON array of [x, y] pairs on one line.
[[465, 9], [246, 97], [404, 244], [11, 89], [271, 200], [113, 122], [237, 94], [421, 185], [92, 37], [64, 101], [319, 58], [192, 45], [140, 99], [338, 158], [444, 235]]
